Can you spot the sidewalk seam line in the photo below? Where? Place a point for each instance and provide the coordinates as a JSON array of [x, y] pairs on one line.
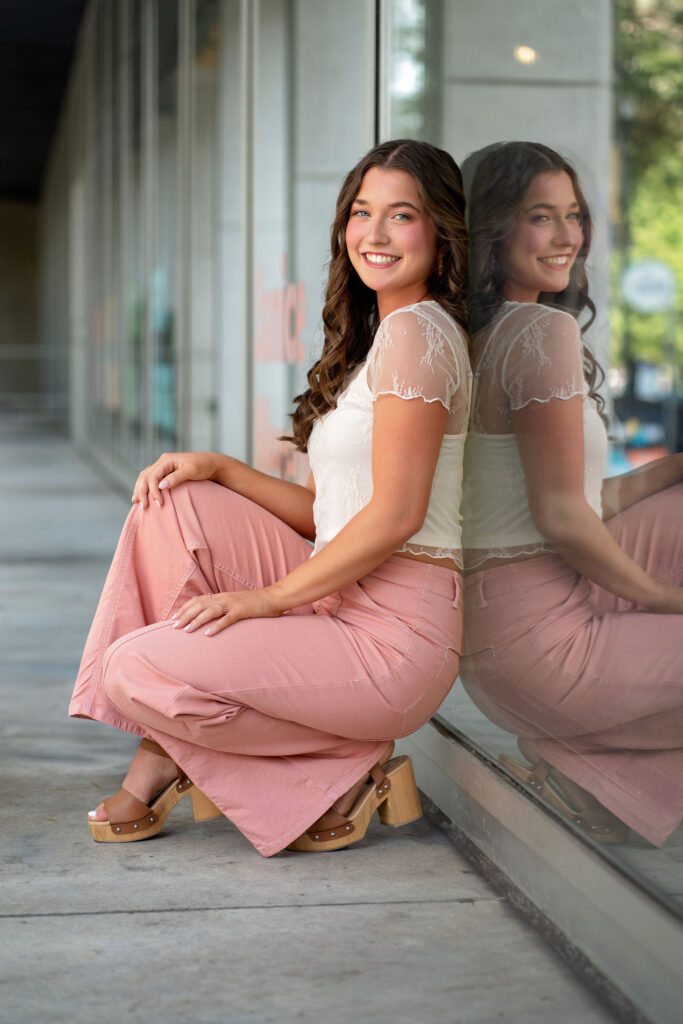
[[258, 906]]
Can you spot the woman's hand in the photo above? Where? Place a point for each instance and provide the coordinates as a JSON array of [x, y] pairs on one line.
[[171, 469], [222, 610]]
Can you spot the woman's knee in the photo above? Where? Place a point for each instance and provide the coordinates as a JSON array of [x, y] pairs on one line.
[[118, 680]]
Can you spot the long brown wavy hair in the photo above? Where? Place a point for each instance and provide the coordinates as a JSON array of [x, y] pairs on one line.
[[501, 177], [350, 315]]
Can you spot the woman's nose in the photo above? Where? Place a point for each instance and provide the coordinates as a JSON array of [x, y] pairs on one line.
[[377, 232], [563, 234]]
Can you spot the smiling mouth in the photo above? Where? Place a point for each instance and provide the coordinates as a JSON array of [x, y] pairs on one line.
[[555, 261], [380, 259]]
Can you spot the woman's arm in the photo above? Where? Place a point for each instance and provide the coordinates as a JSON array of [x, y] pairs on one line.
[[407, 437], [550, 439], [290, 502], [620, 492]]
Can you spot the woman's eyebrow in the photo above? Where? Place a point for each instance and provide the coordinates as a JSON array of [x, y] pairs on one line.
[[364, 202], [549, 206]]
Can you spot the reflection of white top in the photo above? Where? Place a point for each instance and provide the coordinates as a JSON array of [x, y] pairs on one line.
[[419, 351], [530, 353]]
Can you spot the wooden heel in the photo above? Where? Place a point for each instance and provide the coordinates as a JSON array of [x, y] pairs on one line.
[[403, 802], [202, 807]]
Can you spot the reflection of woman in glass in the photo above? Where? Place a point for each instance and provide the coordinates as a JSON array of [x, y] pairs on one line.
[[274, 678], [573, 628]]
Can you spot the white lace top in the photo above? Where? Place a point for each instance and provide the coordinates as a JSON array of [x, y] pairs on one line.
[[419, 351], [530, 353]]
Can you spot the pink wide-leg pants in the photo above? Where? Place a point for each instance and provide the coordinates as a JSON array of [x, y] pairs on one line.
[[595, 682], [272, 718]]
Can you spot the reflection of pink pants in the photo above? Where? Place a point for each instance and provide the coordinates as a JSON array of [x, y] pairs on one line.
[[272, 718], [597, 683]]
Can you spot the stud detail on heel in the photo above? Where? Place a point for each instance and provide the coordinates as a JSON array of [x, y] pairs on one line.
[[392, 793]]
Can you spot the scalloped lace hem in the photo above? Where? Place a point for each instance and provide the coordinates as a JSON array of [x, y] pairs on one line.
[[419, 549], [409, 397], [550, 398], [480, 558]]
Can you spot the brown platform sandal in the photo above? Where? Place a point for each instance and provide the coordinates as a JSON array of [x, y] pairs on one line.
[[129, 820], [392, 792], [552, 786]]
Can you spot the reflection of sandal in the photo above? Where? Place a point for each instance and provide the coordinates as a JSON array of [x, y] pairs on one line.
[[392, 792], [129, 819], [547, 782]]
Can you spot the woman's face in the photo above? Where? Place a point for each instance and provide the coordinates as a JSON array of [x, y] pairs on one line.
[[541, 246], [391, 239]]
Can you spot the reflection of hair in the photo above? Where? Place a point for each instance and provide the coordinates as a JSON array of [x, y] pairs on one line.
[[502, 177], [350, 316]]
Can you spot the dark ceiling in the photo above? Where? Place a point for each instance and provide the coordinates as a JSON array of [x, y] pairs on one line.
[[37, 40]]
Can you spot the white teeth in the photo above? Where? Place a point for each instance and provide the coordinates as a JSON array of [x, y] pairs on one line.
[[379, 259], [555, 261]]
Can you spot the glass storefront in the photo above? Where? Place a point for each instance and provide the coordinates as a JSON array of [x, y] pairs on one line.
[[217, 135], [548, 76]]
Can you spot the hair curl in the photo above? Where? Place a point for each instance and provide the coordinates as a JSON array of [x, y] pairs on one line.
[[501, 177], [350, 315]]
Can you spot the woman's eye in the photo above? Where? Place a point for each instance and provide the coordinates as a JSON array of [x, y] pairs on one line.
[[360, 213], [576, 217], [540, 218], [402, 216]]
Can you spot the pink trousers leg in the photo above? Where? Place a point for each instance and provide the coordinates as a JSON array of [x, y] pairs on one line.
[[596, 683], [272, 718]]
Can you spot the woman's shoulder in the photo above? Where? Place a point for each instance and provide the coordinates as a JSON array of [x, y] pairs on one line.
[[525, 316], [427, 319]]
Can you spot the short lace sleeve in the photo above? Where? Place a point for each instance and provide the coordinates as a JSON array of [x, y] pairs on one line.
[[544, 361], [420, 352]]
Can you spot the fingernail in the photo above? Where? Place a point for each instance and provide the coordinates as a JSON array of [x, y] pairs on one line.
[[162, 485], [91, 814], [208, 632], [157, 503], [176, 625], [187, 626], [175, 616]]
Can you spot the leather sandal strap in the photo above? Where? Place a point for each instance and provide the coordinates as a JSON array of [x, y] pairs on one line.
[[127, 814], [540, 773], [382, 782], [154, 747], [335, 825]]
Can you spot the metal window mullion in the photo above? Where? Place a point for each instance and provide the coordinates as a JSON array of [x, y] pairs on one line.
[[148, 57], [186, 14], [249, 19], [379, 63], [106, 242], [83, 421], [124, 73]]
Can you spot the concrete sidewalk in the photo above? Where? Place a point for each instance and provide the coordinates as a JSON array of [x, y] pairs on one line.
[[195, 926]]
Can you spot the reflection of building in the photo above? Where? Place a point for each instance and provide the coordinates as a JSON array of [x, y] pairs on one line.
[[185, 223]]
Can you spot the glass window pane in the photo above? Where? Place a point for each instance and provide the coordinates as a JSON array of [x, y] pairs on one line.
[[164, 269], [204, 197], [552, 73], [311, 127]]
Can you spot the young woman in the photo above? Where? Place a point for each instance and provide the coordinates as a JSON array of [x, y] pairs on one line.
[[276, 678], [574, 603]]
